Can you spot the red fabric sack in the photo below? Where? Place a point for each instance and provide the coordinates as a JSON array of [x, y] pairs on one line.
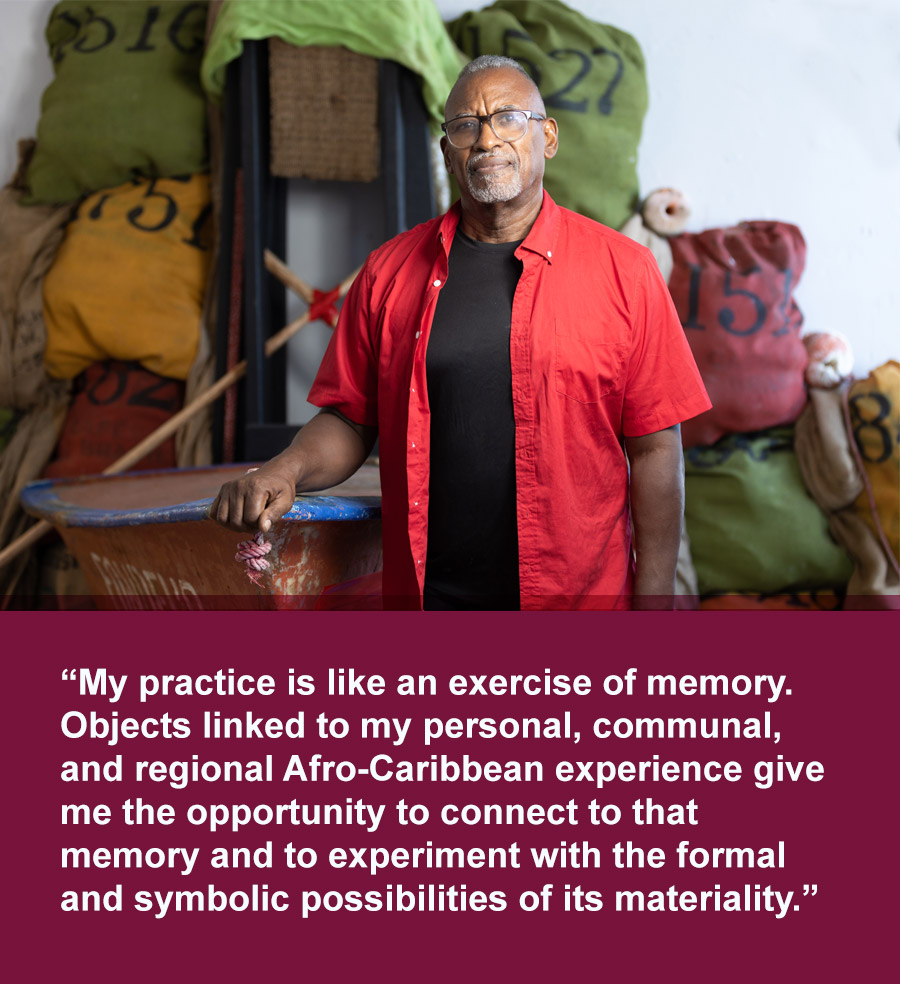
[[733, 290], [115, 405]]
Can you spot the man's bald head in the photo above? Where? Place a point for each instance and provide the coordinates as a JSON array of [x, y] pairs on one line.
[[492, 63]]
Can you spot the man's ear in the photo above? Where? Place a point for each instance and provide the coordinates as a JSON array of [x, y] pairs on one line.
[[551, 137], [445, 150]]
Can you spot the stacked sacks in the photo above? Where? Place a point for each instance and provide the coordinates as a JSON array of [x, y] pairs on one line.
[[874, 405], [847, 446], [124, 299], [124, 121], [128, 340], [34, 405], [752, 525]]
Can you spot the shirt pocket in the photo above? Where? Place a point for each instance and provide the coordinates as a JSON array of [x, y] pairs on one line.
[[587, 368]]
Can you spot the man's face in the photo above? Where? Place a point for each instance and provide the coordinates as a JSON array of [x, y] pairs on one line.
[[492, 170]]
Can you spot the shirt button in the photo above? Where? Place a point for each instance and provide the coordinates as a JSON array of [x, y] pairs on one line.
[[549, 254], [418, 333], [437, 283], [415, 503], [413, 445]]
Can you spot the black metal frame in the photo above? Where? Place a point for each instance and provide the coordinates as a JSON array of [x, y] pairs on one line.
[[408, 195]]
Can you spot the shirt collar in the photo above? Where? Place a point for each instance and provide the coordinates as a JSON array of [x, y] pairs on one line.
[[540, 239]]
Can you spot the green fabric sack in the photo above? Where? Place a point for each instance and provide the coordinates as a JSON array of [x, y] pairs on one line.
[[126, 98], [751, 522], [593, 82], [409, 32]]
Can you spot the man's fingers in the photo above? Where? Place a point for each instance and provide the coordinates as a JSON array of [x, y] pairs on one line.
[[254, 500], [220, 510], [278, 505], [249, 503]]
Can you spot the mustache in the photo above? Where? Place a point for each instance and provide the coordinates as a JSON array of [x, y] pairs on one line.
[[475, 160]]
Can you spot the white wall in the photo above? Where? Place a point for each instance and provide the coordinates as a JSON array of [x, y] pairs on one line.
[[25, 71], [780, 109]]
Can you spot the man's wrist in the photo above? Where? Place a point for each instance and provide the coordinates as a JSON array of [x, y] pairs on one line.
[[654, 592]]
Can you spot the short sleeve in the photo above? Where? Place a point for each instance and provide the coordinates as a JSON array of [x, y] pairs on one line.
[[347, 379], [663, 385]]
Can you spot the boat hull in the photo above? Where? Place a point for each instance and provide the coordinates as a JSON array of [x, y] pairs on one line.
[[143, 541]]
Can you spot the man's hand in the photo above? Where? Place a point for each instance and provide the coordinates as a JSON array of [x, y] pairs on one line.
[[255, 500], [657, 509], [324, 453]]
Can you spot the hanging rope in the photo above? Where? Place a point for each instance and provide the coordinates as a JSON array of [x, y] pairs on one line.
[[252, 553]]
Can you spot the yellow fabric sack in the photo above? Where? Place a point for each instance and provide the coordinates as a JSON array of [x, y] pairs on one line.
[[128, 281], [874, 404]]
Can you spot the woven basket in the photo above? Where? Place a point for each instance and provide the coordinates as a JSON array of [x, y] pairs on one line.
[[324, 107]]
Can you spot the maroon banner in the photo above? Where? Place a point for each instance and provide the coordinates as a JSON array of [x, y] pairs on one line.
[[694, 796]]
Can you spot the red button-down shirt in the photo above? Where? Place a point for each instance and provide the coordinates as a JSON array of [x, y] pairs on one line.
[[597, 353]]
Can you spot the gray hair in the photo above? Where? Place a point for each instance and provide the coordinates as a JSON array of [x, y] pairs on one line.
[[485, 62]]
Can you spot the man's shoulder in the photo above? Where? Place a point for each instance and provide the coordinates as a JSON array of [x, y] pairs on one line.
[[589, 232], [387, 258]]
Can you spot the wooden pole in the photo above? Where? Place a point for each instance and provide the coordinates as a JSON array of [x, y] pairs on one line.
[[166, 430], [287, 276]]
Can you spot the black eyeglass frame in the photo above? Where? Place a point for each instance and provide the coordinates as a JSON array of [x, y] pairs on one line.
[[489, 119]]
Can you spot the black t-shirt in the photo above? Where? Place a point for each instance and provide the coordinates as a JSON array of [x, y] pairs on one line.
[[473, 552]]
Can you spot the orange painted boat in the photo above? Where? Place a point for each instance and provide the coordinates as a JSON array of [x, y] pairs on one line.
[[144, 541]]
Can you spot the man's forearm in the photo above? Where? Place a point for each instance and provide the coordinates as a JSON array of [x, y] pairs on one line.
[[657, 509], [325, 452]]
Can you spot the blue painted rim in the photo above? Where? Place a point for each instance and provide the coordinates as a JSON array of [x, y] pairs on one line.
[[42, 499]]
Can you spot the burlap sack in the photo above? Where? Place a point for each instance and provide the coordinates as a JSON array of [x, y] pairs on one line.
[[834, 479], [193, 440], [733, 289], [125, 99], [636, 229], [753, 526], [23, 461], [29, 238], [129, 279], [593, 80], [823, 451], [875, 581], [873, 412]]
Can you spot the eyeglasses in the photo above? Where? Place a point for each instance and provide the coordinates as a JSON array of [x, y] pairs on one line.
[[508, 125]]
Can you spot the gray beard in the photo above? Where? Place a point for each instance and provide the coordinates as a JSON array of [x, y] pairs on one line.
[[492, 188]]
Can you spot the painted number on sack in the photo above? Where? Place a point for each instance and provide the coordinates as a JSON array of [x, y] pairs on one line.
[[101, 395], [747, 314], [158, 212], [582, 64], [870, 413], [96, 32], [756, 446]]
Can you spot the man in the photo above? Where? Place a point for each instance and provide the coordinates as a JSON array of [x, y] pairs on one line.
[[508, 355]]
